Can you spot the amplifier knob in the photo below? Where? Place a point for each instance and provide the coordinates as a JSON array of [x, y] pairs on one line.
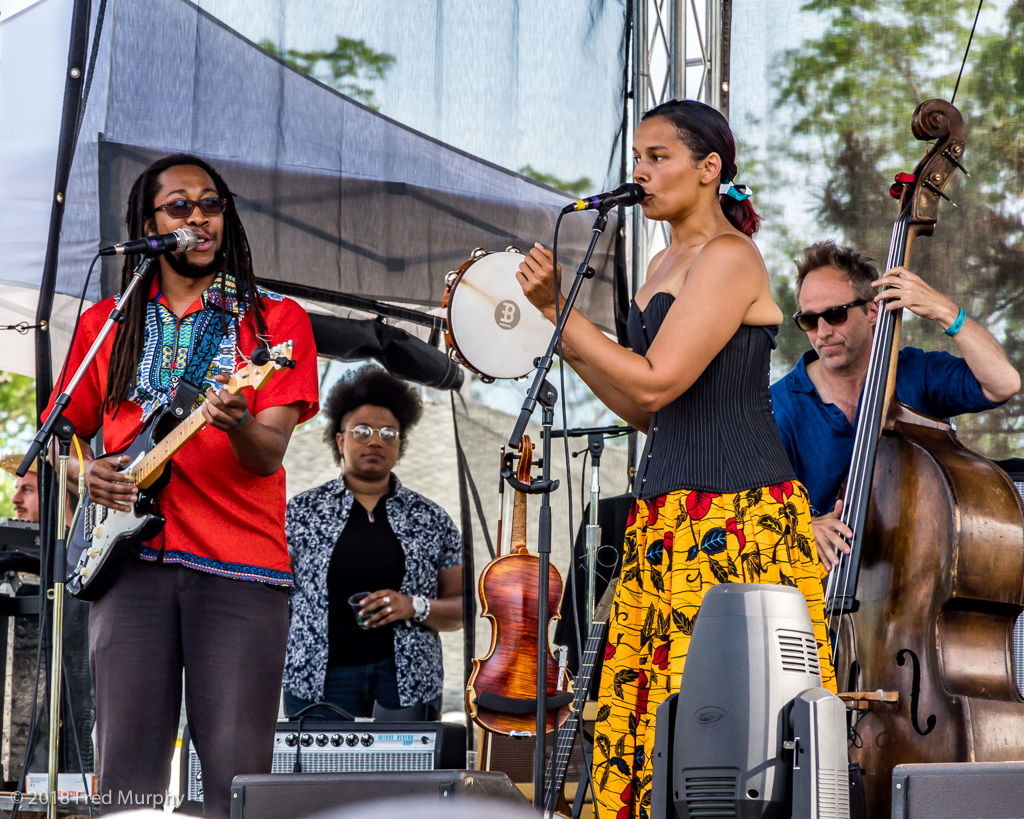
[[351, 740], [367, 740], [321, 740], [306, 740], [291, 740], [337, 739], [425, 740]]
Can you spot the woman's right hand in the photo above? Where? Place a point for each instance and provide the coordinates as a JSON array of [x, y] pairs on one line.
[[108, 486], [536, 276]]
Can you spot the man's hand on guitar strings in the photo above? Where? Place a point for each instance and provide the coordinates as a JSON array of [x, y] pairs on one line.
[[108, 486]]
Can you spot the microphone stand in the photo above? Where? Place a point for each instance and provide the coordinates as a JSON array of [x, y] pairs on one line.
[[541, 391], [57, 425]]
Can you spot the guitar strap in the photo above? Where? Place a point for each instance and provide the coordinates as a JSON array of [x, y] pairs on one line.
[[209, 330]]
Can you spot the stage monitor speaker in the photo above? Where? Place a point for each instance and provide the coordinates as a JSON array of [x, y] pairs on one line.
[[344, 747], [274, 796], [965, 790]]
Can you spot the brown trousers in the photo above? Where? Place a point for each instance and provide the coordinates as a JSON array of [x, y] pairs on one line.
[[229, 638]]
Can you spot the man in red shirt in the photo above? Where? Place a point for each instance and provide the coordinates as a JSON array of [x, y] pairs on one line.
[[209, 594]]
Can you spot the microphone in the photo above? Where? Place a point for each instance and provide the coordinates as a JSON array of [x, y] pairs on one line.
[[181, 239], [625, 195]]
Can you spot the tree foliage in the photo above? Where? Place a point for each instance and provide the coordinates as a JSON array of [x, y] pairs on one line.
[[348, 67], [849, 95], [17, 419], [577, 187]]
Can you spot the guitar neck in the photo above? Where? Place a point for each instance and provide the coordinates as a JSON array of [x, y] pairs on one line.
[[567, 732], [154, 460]]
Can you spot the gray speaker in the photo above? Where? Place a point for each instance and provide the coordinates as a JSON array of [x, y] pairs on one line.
[[293, 796], [965, 790]]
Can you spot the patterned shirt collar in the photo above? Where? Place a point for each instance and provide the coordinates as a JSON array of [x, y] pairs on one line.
[[221, 294]]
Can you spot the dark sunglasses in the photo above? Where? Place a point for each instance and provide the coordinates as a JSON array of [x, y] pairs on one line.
[[833, 316], [182, 208]]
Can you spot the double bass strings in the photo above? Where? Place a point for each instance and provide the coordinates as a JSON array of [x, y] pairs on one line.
[[859, 477]]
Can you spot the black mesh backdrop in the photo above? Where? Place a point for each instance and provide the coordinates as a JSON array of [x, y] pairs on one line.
[[822, 96], [336, 195]]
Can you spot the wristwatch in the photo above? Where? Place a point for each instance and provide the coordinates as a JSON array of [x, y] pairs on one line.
[[420, 609]]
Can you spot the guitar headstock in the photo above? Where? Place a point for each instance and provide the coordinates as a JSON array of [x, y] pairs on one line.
[[255, 374]]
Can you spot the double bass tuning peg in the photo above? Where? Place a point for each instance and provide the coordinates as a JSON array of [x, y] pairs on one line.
[[949, 155], [934, 189]]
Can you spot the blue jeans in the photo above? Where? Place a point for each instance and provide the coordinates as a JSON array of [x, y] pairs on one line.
[[354, 688]]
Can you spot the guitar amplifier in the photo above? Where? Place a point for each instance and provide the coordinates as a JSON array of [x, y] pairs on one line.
[[345, 747]]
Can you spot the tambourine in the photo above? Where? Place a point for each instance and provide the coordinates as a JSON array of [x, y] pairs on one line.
[[490, 326]]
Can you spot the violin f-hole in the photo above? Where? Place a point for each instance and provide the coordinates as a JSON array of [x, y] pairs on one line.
[[915, 689]]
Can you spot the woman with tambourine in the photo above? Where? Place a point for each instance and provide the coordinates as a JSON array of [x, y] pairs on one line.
[[717, 500]]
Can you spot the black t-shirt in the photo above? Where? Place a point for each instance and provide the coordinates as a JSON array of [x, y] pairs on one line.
[[367, 557]]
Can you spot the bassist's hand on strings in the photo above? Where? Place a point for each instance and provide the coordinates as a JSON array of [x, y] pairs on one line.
[[224, 410], [829, 534], [108, 486], [907, 289]]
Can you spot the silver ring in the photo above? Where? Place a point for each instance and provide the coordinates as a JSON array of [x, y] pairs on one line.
[[386, 599], [388, 609]]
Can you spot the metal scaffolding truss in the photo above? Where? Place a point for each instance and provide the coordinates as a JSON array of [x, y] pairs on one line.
[[680, 49]]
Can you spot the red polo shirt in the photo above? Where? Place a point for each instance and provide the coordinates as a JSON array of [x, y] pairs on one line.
[[221, 518]]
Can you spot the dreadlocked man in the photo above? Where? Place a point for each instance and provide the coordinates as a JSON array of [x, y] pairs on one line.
[[209, 594]]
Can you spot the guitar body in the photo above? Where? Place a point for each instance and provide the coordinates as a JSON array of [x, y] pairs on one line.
[[104, 537]]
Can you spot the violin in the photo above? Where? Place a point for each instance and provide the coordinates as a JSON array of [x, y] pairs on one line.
[[502, 689], [924, 606]]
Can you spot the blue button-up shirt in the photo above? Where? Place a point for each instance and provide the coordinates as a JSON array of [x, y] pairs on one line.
[[818, 437]]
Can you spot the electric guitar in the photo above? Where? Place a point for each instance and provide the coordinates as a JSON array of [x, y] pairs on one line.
[[104, 536], [566, 735]]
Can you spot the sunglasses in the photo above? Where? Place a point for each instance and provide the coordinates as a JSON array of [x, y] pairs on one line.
[[182, 208], [362, 434], [834, 316]]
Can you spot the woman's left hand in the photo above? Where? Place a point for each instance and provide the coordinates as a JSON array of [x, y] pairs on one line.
[[385, 606]]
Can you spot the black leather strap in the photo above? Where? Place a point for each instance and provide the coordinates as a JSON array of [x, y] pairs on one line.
[[510, 705]]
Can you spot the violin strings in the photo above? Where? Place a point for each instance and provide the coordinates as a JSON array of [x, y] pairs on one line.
[[966, 51]]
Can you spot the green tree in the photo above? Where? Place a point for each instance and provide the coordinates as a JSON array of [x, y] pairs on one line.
[[347, 68], [577, 187], [17, 418], [849, 95]]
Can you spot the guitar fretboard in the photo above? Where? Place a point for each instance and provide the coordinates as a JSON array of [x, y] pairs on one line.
[[154, 460]]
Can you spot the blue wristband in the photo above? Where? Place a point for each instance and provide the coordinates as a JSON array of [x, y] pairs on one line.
[[246, 415], [954, 328]]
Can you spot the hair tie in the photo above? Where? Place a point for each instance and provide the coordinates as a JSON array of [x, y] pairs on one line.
[[737, 192]]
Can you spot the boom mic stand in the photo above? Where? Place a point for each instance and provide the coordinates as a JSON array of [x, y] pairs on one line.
[[541, 391], [57, 425]]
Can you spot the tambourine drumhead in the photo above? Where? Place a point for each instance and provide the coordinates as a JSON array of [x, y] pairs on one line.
[[495, 330]]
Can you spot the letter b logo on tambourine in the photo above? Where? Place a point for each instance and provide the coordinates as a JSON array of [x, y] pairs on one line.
[[506, 314]]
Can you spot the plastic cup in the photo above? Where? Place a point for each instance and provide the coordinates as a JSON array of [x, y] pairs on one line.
[[356, 602]]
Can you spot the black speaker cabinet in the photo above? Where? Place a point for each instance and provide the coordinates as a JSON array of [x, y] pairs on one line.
[[292, 796], [964, 790]]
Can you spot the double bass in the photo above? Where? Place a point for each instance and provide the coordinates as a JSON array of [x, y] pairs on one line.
[[925, 604]]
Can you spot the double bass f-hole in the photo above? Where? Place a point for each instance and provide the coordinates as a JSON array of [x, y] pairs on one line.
[[915, 689]]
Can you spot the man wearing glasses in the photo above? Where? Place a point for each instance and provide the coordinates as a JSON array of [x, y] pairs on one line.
[[816, 404], [206, 597]]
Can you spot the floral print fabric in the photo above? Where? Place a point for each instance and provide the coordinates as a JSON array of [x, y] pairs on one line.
[[677, 547]]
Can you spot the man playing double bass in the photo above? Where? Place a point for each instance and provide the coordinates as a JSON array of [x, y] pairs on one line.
[[816, 404]]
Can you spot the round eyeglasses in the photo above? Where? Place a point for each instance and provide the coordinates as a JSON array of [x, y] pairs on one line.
[[362, 434]]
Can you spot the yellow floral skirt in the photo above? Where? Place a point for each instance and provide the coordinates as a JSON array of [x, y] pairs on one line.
[[677, 547]]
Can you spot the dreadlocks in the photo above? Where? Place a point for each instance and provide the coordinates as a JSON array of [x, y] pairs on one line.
[[130, 337]]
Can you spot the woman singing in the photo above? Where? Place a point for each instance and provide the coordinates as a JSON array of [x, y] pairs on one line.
[[717, 500]]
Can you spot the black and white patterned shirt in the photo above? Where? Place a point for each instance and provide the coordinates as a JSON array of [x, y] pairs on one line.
[[313, 522]]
